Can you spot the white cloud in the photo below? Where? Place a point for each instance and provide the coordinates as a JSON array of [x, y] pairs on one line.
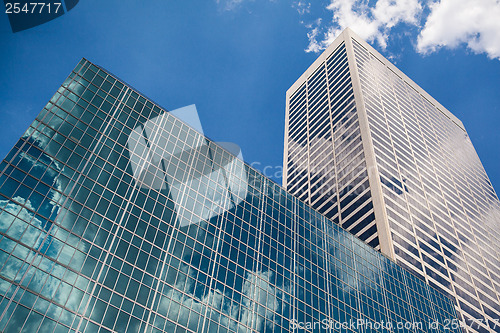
[[370, 22], [451, 23], [446, 23], [302, 7]]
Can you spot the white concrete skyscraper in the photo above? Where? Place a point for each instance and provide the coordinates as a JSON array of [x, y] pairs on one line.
[[372, 151]]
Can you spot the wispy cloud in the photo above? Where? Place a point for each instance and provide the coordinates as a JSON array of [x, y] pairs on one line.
[[229, 4], [302, 7], [312, 35], [445, 23]]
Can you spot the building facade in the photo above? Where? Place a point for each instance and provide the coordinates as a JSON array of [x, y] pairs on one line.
[[116, 216], [373, 152]]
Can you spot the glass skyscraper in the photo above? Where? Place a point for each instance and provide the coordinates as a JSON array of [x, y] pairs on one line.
[[115, 216], [372, 151]]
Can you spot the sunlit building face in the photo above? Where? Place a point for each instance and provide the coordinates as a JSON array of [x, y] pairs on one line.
[[373, 152]]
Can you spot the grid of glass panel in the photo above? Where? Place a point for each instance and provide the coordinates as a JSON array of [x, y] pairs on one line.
[[443, 213], [325, 163], [117, 217]]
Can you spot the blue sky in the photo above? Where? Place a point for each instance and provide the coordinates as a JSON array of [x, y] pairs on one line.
[[235, 59]]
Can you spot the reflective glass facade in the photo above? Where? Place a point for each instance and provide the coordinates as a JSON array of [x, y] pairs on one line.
[[115, 216], [436, 211], [324, 159]]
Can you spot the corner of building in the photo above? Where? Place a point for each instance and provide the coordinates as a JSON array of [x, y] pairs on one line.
[[381, 219]]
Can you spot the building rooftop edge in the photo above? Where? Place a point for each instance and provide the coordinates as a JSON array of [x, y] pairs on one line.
[[349, 33]]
